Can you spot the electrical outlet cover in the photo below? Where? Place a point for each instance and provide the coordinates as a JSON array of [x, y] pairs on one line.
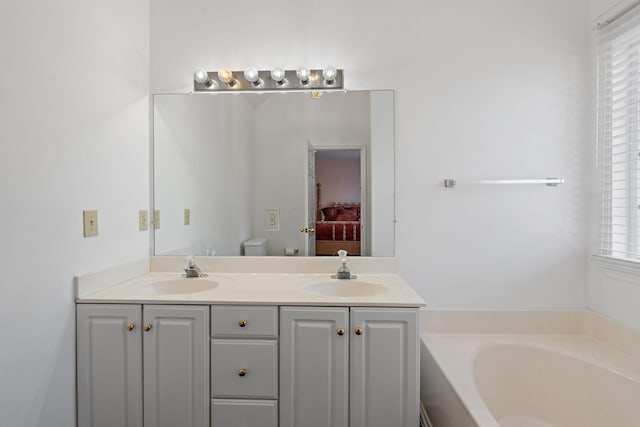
[[187, 216], [156, 219], [90, 222], [143, 220]]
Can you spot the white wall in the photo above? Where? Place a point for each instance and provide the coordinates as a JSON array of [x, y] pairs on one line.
[[340, 179], [74, 135], [491, 89], [203, 162], [381, 225], [612, 291]]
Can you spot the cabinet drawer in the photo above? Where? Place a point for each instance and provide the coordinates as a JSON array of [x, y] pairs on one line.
[[244, 413], [244, 368], [244, 321]]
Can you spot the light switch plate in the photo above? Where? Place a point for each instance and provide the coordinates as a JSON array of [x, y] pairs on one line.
[[90, 221], [143, 220], [156, 219], [187, 216]]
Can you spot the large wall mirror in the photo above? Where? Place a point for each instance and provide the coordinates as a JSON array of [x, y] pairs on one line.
[[303, 174]]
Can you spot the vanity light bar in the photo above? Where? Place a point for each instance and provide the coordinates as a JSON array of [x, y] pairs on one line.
[[252, 80]]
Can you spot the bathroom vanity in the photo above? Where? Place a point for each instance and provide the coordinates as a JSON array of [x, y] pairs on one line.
[[248, 349]]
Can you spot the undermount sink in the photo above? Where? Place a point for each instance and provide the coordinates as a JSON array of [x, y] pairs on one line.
[[345, 288], [178, 286]]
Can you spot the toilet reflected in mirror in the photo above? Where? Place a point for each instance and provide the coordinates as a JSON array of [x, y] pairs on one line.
[[255, 247]]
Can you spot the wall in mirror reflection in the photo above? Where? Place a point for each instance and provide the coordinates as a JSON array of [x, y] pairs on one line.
[[234, 161]]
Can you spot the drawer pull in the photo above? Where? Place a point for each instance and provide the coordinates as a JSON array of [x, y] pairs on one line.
[[359, 331], [131, 326], [242, 372], [242, 323], [147, 327], [340, 331]]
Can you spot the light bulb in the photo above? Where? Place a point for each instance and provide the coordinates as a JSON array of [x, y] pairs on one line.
[[329, 73], [277, 74], [251, 75], [201, 76], [226, 76], [303, 74]]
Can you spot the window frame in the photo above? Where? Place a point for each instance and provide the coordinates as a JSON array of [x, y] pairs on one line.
[[618, 138]]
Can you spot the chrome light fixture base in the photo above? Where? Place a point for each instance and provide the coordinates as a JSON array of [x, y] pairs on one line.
[[265, 82]]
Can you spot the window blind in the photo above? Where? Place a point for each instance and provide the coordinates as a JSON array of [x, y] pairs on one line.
[[619, 135]]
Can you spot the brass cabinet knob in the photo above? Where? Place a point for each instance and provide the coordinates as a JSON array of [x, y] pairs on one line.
[[311, 230], [131, 326], [147, 327], [242, 323], [359, 331], [242, 372], [340, 331], [303, 229]]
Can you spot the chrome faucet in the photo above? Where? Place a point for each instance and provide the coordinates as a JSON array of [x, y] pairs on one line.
[[192, 270], [344, 272]]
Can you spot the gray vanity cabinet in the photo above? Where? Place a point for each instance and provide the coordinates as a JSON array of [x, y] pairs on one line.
[[159, 366], [353, 367], [117, 344]]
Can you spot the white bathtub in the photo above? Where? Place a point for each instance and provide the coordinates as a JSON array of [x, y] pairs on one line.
[[542, 377], [526, 386]]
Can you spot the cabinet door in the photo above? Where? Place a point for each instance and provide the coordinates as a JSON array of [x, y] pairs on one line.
[[176, 366], [384, 368], [313, 367], [109, 365]]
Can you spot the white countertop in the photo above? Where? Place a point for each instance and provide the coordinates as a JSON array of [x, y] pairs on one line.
[[241, 288]]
